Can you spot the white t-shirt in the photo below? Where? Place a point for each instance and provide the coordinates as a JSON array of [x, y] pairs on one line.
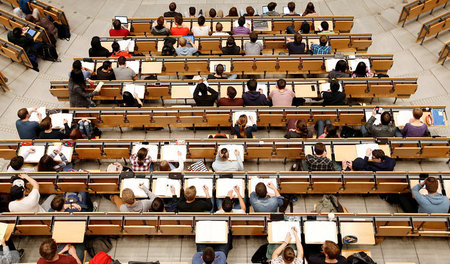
[[220, 34], [28, 204], [201, 31], [236, 211], [26, 170]]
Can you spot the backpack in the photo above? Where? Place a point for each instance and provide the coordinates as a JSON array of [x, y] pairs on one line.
[[97, 245], [329, 204], [348, 132], [49, 52], [360, 258], [63, 31], [168, 49], [101, 258]]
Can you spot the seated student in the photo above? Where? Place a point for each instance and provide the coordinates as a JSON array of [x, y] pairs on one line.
[[218, 74], [231, 48], [319, 161], [76, 65], [310, 10], [331, 254], [105, 72], [116, 52], [9, 254], [362, 71], [322, 48], [223, 164], [172, 12], [356, 165], [339, 71], [42, 21], [192, 12], [48, 162], [201, 29], [123, 72], [305, 28], [131, 100], [326, 129], [261, 201], [20, 37], [128, 203], [415, 127], [209, 256], [252, 47], [164, 165], [271, 6], [78, 96], [250, 11], [158, 204], [333, 96], [291, 7], [183, 49], [242, 130], [433, 202], [72, 202], [20, 202], [227, 205], [253, 97], [188, 203], [298, 129], [325, 28], [233, 12], [97, 50], [204, 99], [379, 162], [385, 129], [49, 253], [16, 163], [83, 129], [212, 13], [47, 131], [219, 30], [281, 96], [179, 29], [241, 29], [118, 30], [141, 161], [28, 129], [231, 100], [295, 45], [284, 254], [159, 27]]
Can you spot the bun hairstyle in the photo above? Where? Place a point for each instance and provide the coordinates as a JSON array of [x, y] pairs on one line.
[[142, 155], [242, 122], [224, 153]]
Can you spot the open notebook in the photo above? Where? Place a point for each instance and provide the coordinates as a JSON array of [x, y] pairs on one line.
[[204, 234], [32, 157], [281, 228], [170, 152], [256, 180], [34, 115], [67, 151], [132, 88], [223, 186], [316, 232], [163, 187], [58, 119], [237, 114], [133, 184], [199, 183], [361, 149]]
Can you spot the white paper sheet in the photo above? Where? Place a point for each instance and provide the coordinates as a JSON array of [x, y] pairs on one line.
[[256, 180], [88, 65], [281, 228], [127, 45], [152, 150], [330, 64], [237, 114], [133, 184], [34, 115], [163, 187], [203, 231], [67, 151], [316, 232], [139, 89], [361, 149], [377, 117], [231, 149], [354, 63], [261, 87], [3, 228], [58, 119], [32, 157], [223, 186], [170, 152], [403, 117], [248, 24], [134, 65], [324, 87], [199, 183]]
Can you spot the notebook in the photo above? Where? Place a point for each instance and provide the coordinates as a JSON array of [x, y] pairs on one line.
[[58, 119], [170, 152], [88, 65], [34, 115], [223, 186], [403, 117], [231, 148], [199, 183], [361, 149], [256, 180], [262, 88], [139, 89], [32, 157], [32, 32], [317, 232], [330, 64], [236, 116], [163, 187], [204, 234], [281, 228], [152, 150], [127, 44], [133, 184], [438, 117], [354, 63], [67, 151], [324, 87], [134, 65]]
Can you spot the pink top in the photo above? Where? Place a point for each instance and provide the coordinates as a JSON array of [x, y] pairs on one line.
[[283, 98]]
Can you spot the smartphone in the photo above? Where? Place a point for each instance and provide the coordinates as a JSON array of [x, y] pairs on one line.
[[379, 110]]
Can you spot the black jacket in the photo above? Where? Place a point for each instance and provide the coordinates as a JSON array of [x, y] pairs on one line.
[[205, 99], [330, 98]]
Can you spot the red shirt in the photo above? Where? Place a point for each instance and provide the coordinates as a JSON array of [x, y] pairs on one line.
[[122, 53], [231, 102], [123, 32], [63, 259], [179, 31]]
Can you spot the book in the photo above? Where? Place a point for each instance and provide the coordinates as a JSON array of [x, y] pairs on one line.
[[237, 114], [354, 63], [199, 183], [281, 228], [204, 234], [163, 187], [58, 119], [127, 44], [324, 87], [170, 152], [361, 149], [152, 150], [133, 184], [223, 186], [255, 180], [88, 65], [32, 157], [438, 117], [317, 232], [34, 116], [132, 88], [134, 65], [330, 64], [402, 117], [231, 148], [67, 151]]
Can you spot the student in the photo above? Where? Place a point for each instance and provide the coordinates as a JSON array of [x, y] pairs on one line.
[[9, 253], [241, 29], [204, 99], [305, 28], [227, 205], [252, 47], [118, 30], [333, 96], [164, 165], [219, 30], [249, 11], [231, 48], [97, 50], [253, 97], [47, 131], [188, 203], [16, 163], [76, 65], [116, 52], [20, 37], [48, 162], [172, 12], [20, 202], [310, 10], [212, 13], [209, 256], [261, 201], [285, 254], [49, 253], [78, 96], [178, 29], [233, 12], [192, 12], [319, 161], [158, 204], [223, 164], [271, 6], [141, 161], [291, 7], [325, 28], [41, 21], [105, 72], [433, 202], [385, 129], [298, 129], [242, 130], [218, 74], [28, 129], [131, 100], [281, 96], [159, 28], [201, 29], [295, 45], [123, 72], [184, 50], [326, 129], [128, 203], [379, 162], [415, 127], [322, 48], [72, 202], [362, 71], [339, 71], [231, 100], [356, 165], [331, 254]]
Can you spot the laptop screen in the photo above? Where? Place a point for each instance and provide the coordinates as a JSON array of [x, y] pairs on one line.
[[285, 10], [122, 19], [189, 37], [32, 32], [265, 9]]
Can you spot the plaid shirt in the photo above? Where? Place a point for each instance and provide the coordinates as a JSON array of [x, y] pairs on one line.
[[136, 167], [318, 49], [319, 163]]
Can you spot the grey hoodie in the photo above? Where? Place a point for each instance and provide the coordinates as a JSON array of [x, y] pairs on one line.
[[140, 205], [436, 203]]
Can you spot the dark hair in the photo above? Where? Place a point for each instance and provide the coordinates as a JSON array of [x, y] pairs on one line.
[[202, 88], [58, 202], [157, 205], [305, 28], [16, 162], [128, 99], [179, 19], [431, 184], [76, 65], [385, 118], [201, 20], [334, 86], [230, 41], [212, 12], [219, 27], [253, 37], [141, 155], [122, 60], [250, 11], [324, 25], [16, 192], [331, 131], [115, 46], [298, 39], [378, 153], [48, 249], [192, 11], [17, 32], [309, 9], [291, 6], [22, 113], [160, 22], [224, 153], [231, 92], [106, 65], [172, 6], [219, 69], [75, 134], [271, 6], [96, 43], [227, 204], [261, 190], [241, 21], [281, 84], [302, 128], [341, 66], [208, 255], [319, 148], [252, 84], [47, 163], [46, 123], [77, 77], [117, 24], [360, 70], [233, 12], [323, 40], [288, 254]]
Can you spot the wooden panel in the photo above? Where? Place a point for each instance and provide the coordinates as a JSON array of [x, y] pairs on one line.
[[406, 152], [202, 152], [259, 152], [176, 230], [294, 187], [381, 65], [116, 152], [325, 187], [88, 153], [33, 230], [139, 230], [104, 230], [393, 230], [248, 230]]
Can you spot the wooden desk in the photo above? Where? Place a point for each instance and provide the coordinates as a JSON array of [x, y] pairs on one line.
[[181, 92], [69, 231], [151, 67], [204, 234], [363, 231], [306, 90], [345, 152], [166, 195], [223, 186]]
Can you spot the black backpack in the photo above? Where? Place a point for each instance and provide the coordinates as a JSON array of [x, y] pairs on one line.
[[168, 49], [360, 258], [63, 31], [348, 132], [49, 52]]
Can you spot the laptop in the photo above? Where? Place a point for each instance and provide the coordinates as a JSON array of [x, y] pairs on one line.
[[265, 9], [285, 10], [260, 25], [123, 20], [32, 32], [189, 38]]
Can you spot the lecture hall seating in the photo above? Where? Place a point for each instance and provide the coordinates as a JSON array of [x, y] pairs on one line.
[[444, 53], [14, 52], [418, 7], [434, 26], [10, 21], [3, 82]]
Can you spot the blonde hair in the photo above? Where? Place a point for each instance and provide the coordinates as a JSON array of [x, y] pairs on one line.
[[182, 41], [190, 193], [128, 196], [164, 166]]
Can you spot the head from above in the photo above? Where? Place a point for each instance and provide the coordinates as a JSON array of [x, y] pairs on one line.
[[219, 69], [96, 43], [122, 61], [128, 99], [164, 166], [271, 6], [16, 162], [331, 131], [361, 69], [242, 120], [23, 114], [288, 255], [128, 196], [252, 84], [16, 192], [76, 65], [142, 155], [334, 86], [386, 118], [107, 65], [253, 37], [302, 128], [431, 184], [305, 28], [208, 255], [202, 88], [201, 20], [157, 205], [75, 134], [227, 204], [231, 42], [417, 113], [46, 123], [224, 154], [77, 77], [281, 84], [115, 47], [323, 40], [250, 11], [160, 22], [47, 163], [298, 38], [58, 202], [117, 25], [17, 32], [192, 11], [219, 27], [48, 250], [178, 20], [291, 7], [190, 193], [233, 12], [182, 42], [231, 92], [172, 7], [341, 66], [212, 12], [319, 149], [309, 9], [324, 26], [241, 21], [261, 190], [378, 155], [331, 250]]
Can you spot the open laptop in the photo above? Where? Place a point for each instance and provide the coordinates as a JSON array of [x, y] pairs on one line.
[[32, 32], [123, 20], [265, 9], [285, 10]]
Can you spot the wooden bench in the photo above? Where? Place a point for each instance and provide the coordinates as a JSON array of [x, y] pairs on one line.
[[10, 21], [444, 53], [418, 7], [434, 26], [3, 82], [14, 52]]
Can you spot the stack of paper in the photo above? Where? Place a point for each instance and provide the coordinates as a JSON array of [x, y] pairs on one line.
[[362, 148], [403, 117], [330, 64], [281, 228], [88, 65], [249, 114], [377, 117], [34, 115], [163, 187], [152, 150], [316, 232], [39, 151], [58, 119], [211, 232], [134, 65], [256, 180], [223, 186], [67, 151], [199, 183], [127, 45], [170, 152], [354, 63], [324, 87], [133, 184], [137, 88], [231, 149]]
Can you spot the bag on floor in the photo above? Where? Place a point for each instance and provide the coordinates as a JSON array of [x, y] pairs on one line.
[[63, 31], [260, 255], [348, 132], [329, 204], [360, 258], [49, 52], [97, 245]]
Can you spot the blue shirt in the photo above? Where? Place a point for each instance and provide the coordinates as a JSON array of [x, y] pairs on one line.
[[23, 4], [28, 129], [267, 204], [185, 51], [436, 203], [220, 258], [318, 49]]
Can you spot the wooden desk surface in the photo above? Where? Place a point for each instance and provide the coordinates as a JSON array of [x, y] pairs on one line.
[[345, 152], [69, 231], [306, 90], [181, 92], [363, 231]]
